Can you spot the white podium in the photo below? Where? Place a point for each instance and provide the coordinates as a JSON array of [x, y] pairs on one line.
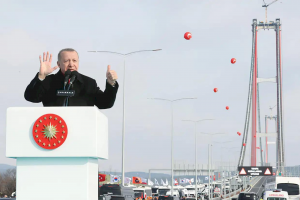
[[69, 171]]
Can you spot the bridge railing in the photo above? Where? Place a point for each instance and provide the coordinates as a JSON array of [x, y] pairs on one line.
[[237, 192]]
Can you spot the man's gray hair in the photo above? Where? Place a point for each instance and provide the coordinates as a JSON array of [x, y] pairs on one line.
[[66, 49]]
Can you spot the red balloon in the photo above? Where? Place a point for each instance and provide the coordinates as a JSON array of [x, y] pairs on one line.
[[233, 60], [187, 35], [215, 89], [244, 144], [227, 107], [239, 133]]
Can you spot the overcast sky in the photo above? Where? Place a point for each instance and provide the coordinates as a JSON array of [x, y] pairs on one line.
[[221, 30]]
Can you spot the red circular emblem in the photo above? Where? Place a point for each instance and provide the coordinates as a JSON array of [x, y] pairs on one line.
[[50, 131]]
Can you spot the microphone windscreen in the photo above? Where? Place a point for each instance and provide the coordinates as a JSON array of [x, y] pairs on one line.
[[68, 73], [74, 73]]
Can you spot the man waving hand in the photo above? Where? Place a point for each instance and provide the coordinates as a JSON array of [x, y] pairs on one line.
[[43, 87]]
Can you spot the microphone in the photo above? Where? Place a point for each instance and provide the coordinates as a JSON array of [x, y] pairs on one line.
[[67, 75], [73, 77], [74, 74]]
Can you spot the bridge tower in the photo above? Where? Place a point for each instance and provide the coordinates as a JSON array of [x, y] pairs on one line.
[[252, 100]]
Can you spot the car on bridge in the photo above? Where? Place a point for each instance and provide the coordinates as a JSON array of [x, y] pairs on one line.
[[276, 194], [115, 192], [248, 196]]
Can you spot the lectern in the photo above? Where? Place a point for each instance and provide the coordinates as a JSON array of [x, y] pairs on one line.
[[57, 151]]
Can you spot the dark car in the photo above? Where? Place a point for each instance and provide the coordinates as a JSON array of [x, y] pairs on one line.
[[115, 192], [248, 196]]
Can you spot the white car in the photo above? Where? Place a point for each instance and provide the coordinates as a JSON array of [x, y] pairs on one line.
[[276, 194], [175, 193]]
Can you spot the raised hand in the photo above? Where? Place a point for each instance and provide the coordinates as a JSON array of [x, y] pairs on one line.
[[45, 66], [111, 76]]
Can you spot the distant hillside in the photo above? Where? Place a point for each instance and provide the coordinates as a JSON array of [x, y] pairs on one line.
[[4, 167]]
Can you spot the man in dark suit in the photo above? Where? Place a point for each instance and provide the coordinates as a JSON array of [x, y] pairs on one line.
[[43, 87]]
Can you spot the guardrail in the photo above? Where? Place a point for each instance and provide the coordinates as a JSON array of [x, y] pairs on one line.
[[235, 193], [231, 194]]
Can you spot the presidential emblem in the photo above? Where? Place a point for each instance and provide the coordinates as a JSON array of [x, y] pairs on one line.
[[50, 131]]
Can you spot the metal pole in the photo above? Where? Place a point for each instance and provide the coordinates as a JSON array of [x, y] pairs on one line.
[[222, 170], [172, 177], [208, 171], [211, 194], [254, 99], [196, 160], [277, 154], [230, 182], [247, 120], [266, 127], [211, 153], [123, 129], [279, 97], [172, 174], [196, 170]]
